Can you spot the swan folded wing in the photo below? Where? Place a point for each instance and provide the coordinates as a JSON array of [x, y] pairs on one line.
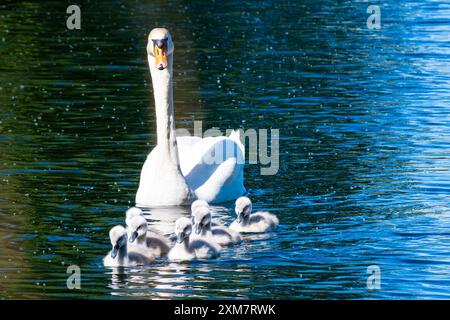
[[213, 167], [191, 149]]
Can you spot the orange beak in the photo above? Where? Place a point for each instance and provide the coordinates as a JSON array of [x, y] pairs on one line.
[[160, 58]]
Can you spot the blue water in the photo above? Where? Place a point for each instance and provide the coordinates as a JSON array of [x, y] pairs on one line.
[[364, 144]]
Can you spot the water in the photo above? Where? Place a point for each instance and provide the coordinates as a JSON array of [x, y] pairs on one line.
[[364, 126]]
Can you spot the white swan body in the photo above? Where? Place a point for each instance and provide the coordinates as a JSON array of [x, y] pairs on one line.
[[119, 256], [179, 170], [185, 249], [213, 174], [152, 242], [252, 222]]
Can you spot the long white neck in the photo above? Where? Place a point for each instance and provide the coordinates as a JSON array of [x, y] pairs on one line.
[[162, 182], [165, 120]]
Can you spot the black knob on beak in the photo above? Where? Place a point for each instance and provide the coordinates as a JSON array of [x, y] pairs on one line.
[[160, 43]]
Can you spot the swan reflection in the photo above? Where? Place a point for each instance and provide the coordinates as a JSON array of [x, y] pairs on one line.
[[159, 281]]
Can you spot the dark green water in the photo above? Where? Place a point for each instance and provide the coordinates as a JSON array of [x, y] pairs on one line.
[[364, 123]]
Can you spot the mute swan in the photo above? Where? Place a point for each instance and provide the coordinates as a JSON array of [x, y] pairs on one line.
[[139, 242], [179, 170], [119, 255], [156, 242], [221, 234], [252, 222], [185, 249]]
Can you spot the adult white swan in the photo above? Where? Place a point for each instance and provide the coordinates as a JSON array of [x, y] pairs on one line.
[[179, 170]]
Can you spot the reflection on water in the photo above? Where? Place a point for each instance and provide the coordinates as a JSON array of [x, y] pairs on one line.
[[163, 219], [162, 282], [364, 128]]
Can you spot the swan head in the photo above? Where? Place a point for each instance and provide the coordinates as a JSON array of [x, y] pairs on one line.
[[132, 212], [159, 47], [137, 227], [183, 229], [118, 237], [198, 203], [243, 208], [201, 218]]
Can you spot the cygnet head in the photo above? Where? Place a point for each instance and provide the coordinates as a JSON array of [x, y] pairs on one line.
[[118, 237], [183, 229], [197, 204], [243, 208], [137, 227], [159, 47], [132, 212], [201, 218]]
